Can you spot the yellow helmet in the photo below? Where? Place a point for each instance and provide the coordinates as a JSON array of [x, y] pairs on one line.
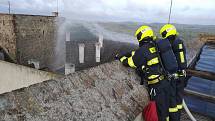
[[143, 32], [168, 30]]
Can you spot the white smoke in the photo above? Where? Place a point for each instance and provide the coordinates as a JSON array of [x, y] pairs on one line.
[[96, 29]]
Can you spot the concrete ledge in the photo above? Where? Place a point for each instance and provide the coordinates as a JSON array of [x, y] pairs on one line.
[[14, 76]]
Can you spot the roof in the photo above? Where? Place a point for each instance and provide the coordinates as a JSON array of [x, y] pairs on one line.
[[197, 116], [106, 92]]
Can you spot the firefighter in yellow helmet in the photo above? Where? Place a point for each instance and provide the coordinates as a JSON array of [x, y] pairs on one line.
[[170, 34], [146, 61]]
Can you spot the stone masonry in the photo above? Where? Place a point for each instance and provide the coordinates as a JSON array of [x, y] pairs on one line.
[[7, 34], [28, 37]]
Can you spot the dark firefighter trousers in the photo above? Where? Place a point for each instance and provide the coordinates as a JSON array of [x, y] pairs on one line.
[[168, 98], [180, 84], [161, 98], [176, 97]]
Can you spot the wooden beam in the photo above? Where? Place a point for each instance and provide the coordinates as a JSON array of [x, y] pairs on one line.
[[200, 96], [201, 74]]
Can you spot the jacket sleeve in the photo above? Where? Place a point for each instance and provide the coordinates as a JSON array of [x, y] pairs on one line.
[[128, 60], [180, 53], [182, 56]]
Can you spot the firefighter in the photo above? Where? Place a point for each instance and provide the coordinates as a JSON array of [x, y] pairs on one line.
[[146, 59], [169, 32]]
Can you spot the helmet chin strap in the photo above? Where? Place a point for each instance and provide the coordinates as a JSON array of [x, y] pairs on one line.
[[171, 38], [146, 40]]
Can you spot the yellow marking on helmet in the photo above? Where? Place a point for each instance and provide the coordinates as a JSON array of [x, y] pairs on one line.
[[180, 106], [123, 58], [152, 49], [153, 76], [144, 30], [182, 57], [180, 46], [153, 61], [131, 62], [173, 110], [169, 29]]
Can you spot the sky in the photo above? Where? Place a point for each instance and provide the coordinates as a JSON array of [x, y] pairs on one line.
[[148, 11]]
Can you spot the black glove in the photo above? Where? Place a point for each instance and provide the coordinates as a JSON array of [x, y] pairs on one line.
[[182, 73], [182, 76], [116, 57]]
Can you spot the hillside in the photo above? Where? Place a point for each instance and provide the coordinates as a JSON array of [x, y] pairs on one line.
[[187, 32]]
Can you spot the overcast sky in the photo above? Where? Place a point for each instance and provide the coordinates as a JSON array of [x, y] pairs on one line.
[[184, 11]]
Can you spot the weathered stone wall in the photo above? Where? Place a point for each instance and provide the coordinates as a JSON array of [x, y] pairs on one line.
[[7, 35], [35, 38], [27, 37], [109, 92], [72, 54]]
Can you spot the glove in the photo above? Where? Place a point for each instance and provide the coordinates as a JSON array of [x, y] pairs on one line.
[[182, 76], [116, 57], [182, 73]]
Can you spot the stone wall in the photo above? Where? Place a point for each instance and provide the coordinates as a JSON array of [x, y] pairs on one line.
[[7, 35], [109, 92], [35, 38], [72, 54]]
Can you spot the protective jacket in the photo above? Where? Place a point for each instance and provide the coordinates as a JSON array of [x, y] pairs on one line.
[[146, 59], [170, 66], [180, 54], [172, 52]]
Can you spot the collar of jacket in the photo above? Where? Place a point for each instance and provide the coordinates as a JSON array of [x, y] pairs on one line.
[[144, 41], [171, 38]]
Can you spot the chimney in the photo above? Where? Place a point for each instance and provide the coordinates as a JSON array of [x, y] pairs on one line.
[[98, 52], [81, 52], [69, 68], [67, 36]]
